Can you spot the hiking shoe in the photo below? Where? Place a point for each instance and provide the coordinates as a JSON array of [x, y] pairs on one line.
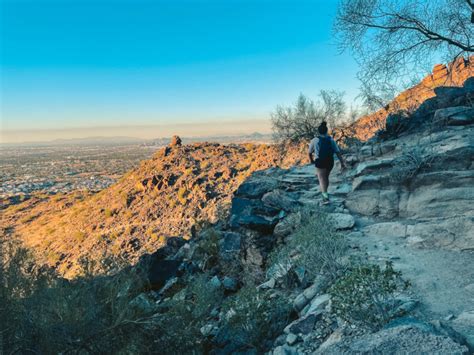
[[325, 198]]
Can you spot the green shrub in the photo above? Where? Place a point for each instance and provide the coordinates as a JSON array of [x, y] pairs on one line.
[[207, 249], [79, 237], [182, 195], [182, 318], [315, 246], [43, 313], [366, 295], [254, 318]]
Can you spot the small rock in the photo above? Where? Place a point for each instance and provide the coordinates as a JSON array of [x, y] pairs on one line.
[[303, 325], [208, 329], [267, 285], [229, 283], [449, 317], [215, 282], [300, 302], [300, 273], [291, 339], [285, 350], [318, 304], [470, 288]]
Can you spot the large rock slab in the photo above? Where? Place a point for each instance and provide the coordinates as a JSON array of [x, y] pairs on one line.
[[372, 166], [434, 201], [464, 324], [455, 116], [386, 230], [456, 233], [404, 339], [374, 202]]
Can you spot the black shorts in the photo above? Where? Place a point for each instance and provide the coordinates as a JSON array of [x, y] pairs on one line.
[[326, 163]]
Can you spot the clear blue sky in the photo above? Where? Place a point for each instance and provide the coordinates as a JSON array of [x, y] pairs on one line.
[[70, 63]]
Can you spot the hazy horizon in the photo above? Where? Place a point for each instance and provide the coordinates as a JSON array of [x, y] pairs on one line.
[[201, 129]]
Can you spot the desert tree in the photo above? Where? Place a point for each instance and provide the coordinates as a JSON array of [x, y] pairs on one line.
[[397, 41], [300, 121]]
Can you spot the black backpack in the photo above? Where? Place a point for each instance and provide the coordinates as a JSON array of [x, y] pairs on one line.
[[325, 148]]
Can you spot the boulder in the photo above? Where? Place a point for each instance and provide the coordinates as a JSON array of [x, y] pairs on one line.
[[363, 202], [264, 225], [455, 116], [287, 225], [341, 221], [256, 188], [280, 200]]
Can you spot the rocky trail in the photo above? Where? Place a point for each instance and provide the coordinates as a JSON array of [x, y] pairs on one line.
[[407, 200], [442, 280]]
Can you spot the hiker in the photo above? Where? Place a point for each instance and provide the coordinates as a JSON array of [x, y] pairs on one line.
[[323, 148]]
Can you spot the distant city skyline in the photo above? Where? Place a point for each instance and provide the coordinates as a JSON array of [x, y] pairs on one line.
[[72, 67]]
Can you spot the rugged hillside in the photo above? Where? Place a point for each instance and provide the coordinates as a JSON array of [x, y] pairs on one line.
[[277, 272], [451, 75], [181, 186], [406, 203]]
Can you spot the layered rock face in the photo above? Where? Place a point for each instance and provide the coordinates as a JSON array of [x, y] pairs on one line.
[[443, 76]]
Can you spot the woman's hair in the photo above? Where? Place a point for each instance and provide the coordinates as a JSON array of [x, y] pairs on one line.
[[323, 128]]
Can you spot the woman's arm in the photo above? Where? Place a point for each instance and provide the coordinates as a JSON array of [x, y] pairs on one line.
[[338, 153], [339, 156], [311, 151]]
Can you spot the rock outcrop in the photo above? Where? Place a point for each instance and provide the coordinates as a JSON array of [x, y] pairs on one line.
[[442, 79]]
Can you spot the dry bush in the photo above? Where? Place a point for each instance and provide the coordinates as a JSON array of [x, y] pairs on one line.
[[410, 164]]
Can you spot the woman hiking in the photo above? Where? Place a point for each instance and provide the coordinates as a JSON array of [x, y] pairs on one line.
[[321, 154]]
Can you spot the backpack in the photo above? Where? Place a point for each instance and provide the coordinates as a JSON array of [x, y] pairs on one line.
[[325, 148]]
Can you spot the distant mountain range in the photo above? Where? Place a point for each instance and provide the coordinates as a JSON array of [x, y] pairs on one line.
[[123, 140]]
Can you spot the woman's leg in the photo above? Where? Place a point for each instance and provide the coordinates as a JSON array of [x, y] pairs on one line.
[[322, 178], [326, 176]]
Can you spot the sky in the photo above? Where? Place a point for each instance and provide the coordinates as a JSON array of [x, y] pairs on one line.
[[73, 68]]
